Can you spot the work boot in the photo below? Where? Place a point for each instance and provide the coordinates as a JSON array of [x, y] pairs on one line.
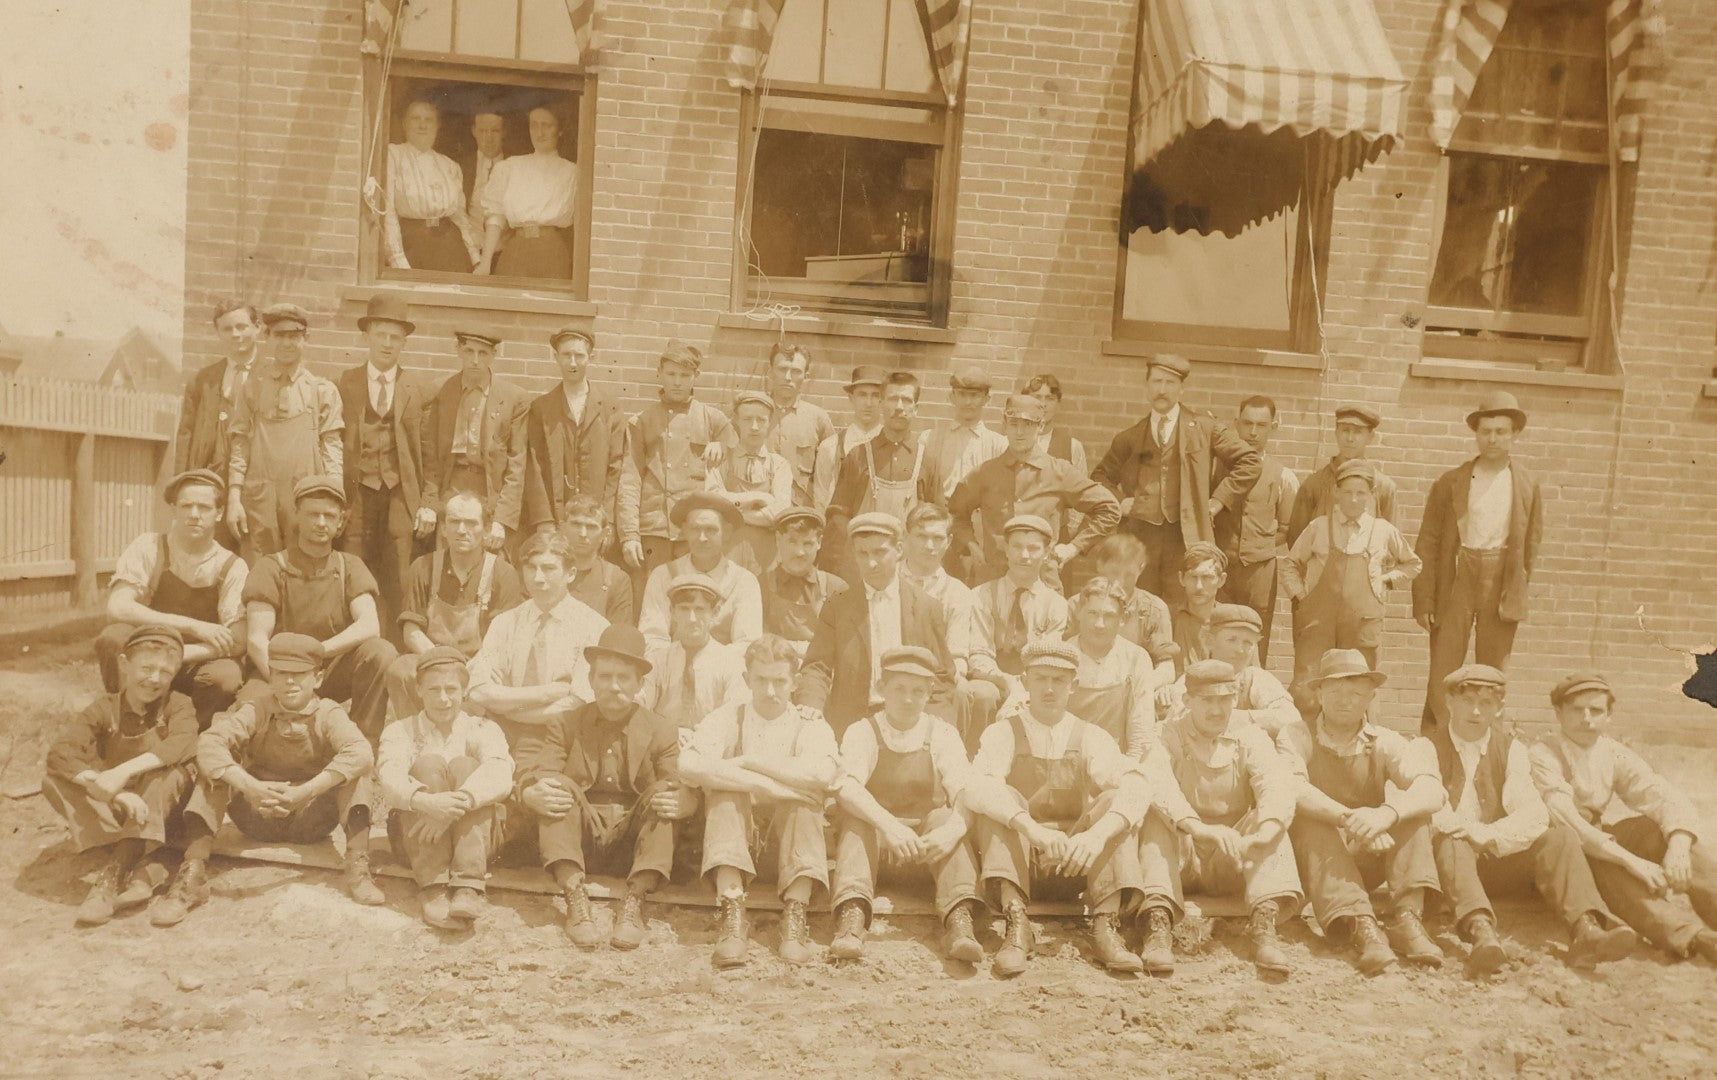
[[730, 943], [359, 884], [629, 924], [1158, 953], [849, 932], [1407, 935], [1704, 946], [464, 903], [962, 943], [190, 889], [1487, 956], [1110, 949], [794, 945], [436, 907], [1375, 955], [1590, 944], [1016, 942], [581, 918], [141, 885], [1266, 949], [103, 898]]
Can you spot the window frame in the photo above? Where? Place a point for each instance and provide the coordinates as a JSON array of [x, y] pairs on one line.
[[461, 67]]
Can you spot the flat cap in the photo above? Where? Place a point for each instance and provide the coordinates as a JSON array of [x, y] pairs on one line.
[[193, 476], [1474, 675], [1357, 468], [1360, 414], [753, 397], [1236, 615], [440, 656], [866, 375], [970, 377], [485, 335], [874, 523], [703, 500], [1024, 407], [909, 660], [329, 486], [682, 353], [695, 583], [1029, 523], [154, 634], [795, 515], [1050, 652], [1180, 365], [286, 316], [565, 332], [1202, 552], [623, 642], [295, 652], [1211, 678], [1579, 684]]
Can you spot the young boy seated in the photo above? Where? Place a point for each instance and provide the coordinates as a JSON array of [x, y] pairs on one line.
[[444, 772], [286, 768], [794, 590], [902, 771], [1058, 803], [120, 771], [765, 770], [758, 481]]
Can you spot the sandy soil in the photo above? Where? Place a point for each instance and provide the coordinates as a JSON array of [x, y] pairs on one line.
[[280, 974]]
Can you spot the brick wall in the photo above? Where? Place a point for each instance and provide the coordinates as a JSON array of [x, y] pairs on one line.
[[277, 111]]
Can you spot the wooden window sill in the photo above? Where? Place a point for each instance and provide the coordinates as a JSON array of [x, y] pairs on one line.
[[1462, 370], [840, 326], [1215, 354], [473, 298]]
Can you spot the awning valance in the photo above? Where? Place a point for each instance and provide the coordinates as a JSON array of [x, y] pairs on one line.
[[1235, 97]]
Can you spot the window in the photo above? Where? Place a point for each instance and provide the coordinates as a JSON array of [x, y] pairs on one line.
[[847, 183], [484, 95], [1523, 234]]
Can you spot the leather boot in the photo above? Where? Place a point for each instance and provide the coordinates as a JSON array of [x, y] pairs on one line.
[[1407, 935], [359, 884], [1704, 946], [1110, 949], [464, 903], [141, 885], [730, 942], [1266, 949], [103, 898], [581, 918], [794, 945], [1590, 944], [435, 909], [1375, 955], [1016, 942], [190, 889], [962, 939], [1158, 953], [849, 932], [629, 924], [1487, 956]]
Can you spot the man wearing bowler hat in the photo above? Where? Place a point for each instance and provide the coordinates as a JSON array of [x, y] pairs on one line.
[[704, 521], [864, 393], [575, 437], [474, 438], [1479, 538]]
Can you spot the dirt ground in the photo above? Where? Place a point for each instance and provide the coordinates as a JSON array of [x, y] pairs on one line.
[[281, 975]]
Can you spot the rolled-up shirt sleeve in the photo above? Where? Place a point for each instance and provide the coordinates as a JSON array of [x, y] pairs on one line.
[[858, 753], [395, 752], [1111, 770], [492, 780], [218, 748], [1641, 787]]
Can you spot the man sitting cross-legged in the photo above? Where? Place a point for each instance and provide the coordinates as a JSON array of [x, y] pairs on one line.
[[287, 768], [903, 770]]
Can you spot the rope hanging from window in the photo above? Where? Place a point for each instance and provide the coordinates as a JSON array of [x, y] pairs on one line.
[[378, 17]]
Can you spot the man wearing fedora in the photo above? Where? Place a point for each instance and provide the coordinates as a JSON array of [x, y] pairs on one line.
[[1478, 540], [603, 785], [383, 409], [575, 437], [474, 438], [704, 521], [864, 393]]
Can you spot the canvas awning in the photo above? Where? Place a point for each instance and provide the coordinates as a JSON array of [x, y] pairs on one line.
[[1237, 97]]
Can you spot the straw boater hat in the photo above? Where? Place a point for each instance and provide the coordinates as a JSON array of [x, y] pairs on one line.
[[1345, 664], [1497, 403], [622, 642]]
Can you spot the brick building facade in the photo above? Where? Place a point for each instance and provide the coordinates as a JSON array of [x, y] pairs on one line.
[[282, 93]]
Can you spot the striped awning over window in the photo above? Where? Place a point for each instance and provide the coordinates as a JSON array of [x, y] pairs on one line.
[[748, 30], [1235, 97]]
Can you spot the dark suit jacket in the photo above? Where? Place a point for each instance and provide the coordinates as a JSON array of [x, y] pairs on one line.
[[203, 419], [550, 479], [408, 402], [503, 447], [1440, 541], [652, 750], [836, 675], [1207, 447]]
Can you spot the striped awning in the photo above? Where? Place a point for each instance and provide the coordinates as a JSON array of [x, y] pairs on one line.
[[748, 31], [1235, 97]]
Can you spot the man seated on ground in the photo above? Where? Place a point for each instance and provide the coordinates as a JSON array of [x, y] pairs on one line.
[[185, 579], [1364, 799], [450, 596], [929, 532], [530, 671], [902, 772], [603, 785], [1230, 797], [766, 769], [694, 674], [704, 521], [286, 768], [1009, 612], [1203, 572], [1116, 685], [1639, 862], [1495, 832], [1059, 802], [119, 772], [603, 587], [1145, 621], [329, 595], [444, 773], [794, 590], [1260, 698]]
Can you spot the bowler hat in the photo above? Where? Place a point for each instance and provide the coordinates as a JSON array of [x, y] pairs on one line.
[[622, 642], [387, 308], [1345, 664], [1497, 403], [295, 652], [703, 500], [866, 375]]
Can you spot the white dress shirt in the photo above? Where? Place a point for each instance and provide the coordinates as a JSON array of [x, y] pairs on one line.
[[1524, 815], [1489, 503], [575, 402], [384, 385], [884, 606], [423, 185], [505, 654], [482, 168], [531, 189]]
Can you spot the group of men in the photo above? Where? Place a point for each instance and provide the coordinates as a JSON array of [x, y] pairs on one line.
[[724, 644]]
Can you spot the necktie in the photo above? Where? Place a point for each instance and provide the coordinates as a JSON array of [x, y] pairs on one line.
[[1016, 620], [689, 688], [1162, 431], [536, 664], [382, 399]]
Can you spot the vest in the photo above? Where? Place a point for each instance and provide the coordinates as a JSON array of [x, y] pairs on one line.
[[1493, 771], [1157, 499], [1061, 444], [378, 456]]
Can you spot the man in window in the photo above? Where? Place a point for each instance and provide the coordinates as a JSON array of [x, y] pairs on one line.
[[529, 199], [962, 444], [287, 426], [797, 426], [864, 394], [426, 227], [1164, 470], [474, 438], [1263, 523], [1479, 539], [211, 399], [603, 586], [794, 590], [1355, 429], [705, 520], [575, 437], [488, 130], [889, 473]]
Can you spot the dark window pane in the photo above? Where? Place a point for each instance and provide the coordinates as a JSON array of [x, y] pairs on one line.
[[1543, 85]]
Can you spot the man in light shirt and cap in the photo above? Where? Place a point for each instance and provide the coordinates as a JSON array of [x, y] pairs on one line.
[[962, 444]]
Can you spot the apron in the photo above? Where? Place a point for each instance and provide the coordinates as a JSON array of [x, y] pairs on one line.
[[1107, 707], [315, 606], [169, 593], [1054, 789], [459, 625], [760, 823], [119, 746], [1218, 786], [1343, 602], [284, 448], [903, 783], [895, 498], [1353, 782]]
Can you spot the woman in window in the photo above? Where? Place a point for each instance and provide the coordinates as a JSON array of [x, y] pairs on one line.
[[530, 197]]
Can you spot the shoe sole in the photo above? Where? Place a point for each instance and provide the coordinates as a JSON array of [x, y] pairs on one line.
[[623, 946], [837, 951], [969, 952], [1485, 961]]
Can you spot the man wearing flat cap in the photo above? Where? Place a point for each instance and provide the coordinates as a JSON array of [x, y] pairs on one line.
[[693, 674], [119, 772], [1010, 612], [757, 480], [960, 445], [703, 521], [384, 434], [575, 439], [474, 438], [864, 394], [794, 589], [891, 472], [287, 767], [1479, 539], [604, 787], [182, 578], [1642, 861], [288, 424], [1355, 428], [1258, 534], [1174, 472], [1495, 833], [1260, 698], [796, 426]]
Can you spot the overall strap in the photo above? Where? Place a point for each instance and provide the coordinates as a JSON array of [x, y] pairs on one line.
[[161, 566], [486, 581]]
